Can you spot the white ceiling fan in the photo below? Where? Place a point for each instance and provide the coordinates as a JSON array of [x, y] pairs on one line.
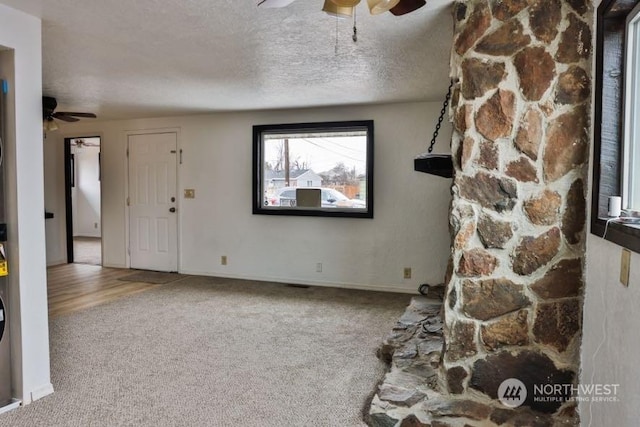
[[344, 8]]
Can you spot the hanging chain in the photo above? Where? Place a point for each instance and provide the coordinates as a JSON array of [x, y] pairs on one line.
[[442, 113]]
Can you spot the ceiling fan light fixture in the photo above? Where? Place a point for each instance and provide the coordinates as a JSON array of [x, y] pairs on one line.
[[377, 7], [345, 3], [407, 6], [49, 125], [334, 10], [275, 3]]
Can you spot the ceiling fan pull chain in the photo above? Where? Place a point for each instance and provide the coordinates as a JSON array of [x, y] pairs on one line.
[[442, 113], [355, 30]]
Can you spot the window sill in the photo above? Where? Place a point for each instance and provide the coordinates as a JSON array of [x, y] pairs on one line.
[[625, 235]]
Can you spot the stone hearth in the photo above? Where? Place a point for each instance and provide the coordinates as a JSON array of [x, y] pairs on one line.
[[415, 394], [413, 351]]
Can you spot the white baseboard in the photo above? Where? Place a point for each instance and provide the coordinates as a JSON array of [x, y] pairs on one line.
[[41, 392], [109, 265], [357, 286], [56, 262], [15, 403]]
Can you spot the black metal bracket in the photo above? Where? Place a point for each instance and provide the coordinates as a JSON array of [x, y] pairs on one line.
[[435, 164]]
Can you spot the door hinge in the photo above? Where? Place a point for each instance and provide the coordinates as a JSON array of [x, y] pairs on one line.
[[127, 152], [128, 202]]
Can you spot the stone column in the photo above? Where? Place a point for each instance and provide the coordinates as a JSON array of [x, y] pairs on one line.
[[521, 115]]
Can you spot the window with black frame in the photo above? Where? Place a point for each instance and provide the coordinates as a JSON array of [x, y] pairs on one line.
[[616, 165], [314, 169]]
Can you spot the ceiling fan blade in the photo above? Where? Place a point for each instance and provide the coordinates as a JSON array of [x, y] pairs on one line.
[[68, 113], [275, 3], [407, 6], [65, 118]]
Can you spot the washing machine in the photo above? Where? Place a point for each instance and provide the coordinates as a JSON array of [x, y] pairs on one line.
[[5, 348]]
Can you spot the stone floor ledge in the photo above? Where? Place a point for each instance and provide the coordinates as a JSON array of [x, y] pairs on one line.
[[413, 392]]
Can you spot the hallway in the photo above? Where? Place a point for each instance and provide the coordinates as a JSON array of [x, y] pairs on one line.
[[87, 250]]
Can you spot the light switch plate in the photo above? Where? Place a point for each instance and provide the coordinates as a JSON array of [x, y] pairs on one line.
[[625, 266], [189, 193]]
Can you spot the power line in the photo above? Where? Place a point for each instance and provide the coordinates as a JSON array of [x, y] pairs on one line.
[[341, 146], [331, 151]]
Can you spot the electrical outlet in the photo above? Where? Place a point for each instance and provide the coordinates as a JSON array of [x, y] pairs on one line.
[[223, 260], [407, 272], [189, 193], [319, 267], [625, 266]]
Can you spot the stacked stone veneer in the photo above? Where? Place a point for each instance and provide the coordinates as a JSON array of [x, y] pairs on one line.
[[521, 136], [513, 302]]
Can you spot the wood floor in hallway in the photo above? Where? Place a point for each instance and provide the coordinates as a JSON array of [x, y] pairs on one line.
[[73, 287]]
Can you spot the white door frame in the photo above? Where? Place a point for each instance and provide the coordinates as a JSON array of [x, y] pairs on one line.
[[126, 135]]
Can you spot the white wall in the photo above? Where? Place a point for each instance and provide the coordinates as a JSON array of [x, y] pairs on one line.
[[407, 231], [610, 344], [86, 194], [22, 66], [56, 243]]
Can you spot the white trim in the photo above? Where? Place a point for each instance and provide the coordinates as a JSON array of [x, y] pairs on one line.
[[41, 392], [109, 265], [15, 403], [56, 262], [356, 286]]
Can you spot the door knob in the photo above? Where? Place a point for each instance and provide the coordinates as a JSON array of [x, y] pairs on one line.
[[172, 210]]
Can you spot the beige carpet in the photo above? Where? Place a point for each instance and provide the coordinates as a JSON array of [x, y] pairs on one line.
[[215, 352]]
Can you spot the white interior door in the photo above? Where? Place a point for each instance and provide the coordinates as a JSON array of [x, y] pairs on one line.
[[153, 222]]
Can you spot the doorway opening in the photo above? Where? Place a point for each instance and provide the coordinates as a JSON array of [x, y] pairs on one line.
[[83, 200]]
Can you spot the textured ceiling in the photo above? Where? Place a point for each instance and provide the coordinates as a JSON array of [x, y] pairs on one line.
[[146, 58]]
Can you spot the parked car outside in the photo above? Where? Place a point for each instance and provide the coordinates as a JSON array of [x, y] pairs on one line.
[[330, 198]]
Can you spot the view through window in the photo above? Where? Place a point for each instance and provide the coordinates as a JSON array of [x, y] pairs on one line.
[[631, 165], [314, 169]]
